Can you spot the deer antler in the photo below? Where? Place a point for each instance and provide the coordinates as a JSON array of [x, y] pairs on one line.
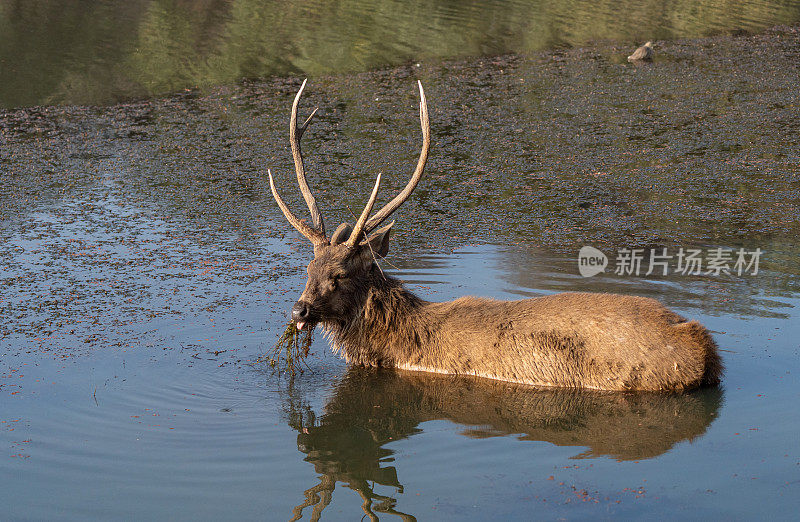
[[295, 134], [315, 234], [358, 230], [398, 200]]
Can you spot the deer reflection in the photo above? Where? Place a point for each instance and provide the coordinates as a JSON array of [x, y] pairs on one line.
[[372, 407]]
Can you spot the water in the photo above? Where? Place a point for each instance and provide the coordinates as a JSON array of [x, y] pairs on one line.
[[99, 52], [145, 268]]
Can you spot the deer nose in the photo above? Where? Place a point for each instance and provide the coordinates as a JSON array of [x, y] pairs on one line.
[[300, 312]]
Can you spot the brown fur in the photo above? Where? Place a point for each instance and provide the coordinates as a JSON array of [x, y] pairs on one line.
[[574, 340]]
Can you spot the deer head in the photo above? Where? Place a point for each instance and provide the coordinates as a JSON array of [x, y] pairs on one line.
[[338, 274]]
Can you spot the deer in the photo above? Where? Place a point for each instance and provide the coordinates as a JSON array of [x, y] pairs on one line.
[[597, 341]]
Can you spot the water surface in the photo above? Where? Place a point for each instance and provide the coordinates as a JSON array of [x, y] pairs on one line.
[[145, 268]]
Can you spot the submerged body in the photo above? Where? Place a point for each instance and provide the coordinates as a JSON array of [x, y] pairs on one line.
[[576, 340]]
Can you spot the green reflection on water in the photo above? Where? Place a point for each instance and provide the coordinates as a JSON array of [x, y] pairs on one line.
[[100, 52]]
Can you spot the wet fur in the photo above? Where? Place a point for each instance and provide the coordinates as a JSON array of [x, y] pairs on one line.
[[578, 340]]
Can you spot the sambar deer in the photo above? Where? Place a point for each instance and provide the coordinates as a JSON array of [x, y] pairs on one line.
[[579, 340]]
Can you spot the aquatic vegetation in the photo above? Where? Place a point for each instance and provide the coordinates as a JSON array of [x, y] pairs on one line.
[[290, 350]]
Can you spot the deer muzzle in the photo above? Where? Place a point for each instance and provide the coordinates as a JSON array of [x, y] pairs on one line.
[[300, 314]]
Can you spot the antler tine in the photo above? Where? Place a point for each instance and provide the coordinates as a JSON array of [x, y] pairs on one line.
[[398, 200], [313, 235], [295, 134], [358, 230]]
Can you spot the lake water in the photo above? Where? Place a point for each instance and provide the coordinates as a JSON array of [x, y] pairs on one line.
[[145, 267], [99, 52]]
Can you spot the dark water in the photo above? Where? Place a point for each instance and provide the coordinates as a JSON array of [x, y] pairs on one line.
[[100, 52], [144, 268]]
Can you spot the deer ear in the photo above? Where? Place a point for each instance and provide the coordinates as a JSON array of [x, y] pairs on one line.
[[341, 234], [377, 243]]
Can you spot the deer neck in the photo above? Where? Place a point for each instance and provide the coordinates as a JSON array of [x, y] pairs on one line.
[[382, 331]]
